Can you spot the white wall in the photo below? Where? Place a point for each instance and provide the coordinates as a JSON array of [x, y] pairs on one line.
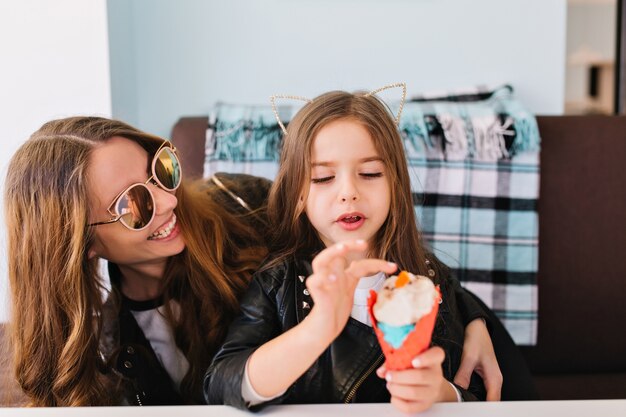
[[188, 54], [54, 63]]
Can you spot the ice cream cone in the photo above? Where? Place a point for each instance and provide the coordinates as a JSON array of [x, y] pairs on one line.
[[417, 341]]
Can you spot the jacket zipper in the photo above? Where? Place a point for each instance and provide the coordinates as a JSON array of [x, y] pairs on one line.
[[363, 377]]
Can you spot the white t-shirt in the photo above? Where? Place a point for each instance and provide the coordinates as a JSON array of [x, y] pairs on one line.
[[161, 337]]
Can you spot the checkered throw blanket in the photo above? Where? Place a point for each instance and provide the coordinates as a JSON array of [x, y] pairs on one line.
[[475, 178], [244, 139]]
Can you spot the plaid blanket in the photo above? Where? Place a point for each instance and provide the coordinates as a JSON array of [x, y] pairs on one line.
[[474, 165], [244, 139], [475, 180]]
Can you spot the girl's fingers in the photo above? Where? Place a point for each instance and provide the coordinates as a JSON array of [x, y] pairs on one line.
[[428, 369], [324, 258], [313, 282], [411, 392], [432, 356], [493, 382], [421, 376], [336, 268], [367, 267], [413, 377], [409, 407], [464, 373], [321, 283], [331, 265]]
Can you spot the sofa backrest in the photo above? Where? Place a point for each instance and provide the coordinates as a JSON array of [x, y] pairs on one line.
[[582, 246]]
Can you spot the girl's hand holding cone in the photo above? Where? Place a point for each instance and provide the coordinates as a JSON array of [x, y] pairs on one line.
[[416, 389]]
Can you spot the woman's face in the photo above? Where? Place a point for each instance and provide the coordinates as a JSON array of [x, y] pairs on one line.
[[114, 165]]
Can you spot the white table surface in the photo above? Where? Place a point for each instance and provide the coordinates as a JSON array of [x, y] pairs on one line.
[[586, 408]]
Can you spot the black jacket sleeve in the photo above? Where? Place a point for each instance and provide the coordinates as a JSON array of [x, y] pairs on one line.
[[468, 307], [476, 390], [257, 323], [449, 334]]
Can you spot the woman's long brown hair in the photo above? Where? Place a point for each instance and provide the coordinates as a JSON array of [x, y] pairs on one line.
[[398, 240], [57, 295]]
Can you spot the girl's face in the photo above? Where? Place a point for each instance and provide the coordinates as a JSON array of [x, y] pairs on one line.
[[349, 193], [114, 165]]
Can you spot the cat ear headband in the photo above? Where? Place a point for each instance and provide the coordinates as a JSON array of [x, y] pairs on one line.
[[307, 100]]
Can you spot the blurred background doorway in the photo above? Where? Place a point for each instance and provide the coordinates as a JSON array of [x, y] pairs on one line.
[[594, 61]]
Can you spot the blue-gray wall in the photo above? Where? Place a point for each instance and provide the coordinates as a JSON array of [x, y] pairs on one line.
[[173, 58]]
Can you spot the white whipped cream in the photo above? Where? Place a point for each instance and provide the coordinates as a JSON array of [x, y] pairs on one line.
[[407, 304]]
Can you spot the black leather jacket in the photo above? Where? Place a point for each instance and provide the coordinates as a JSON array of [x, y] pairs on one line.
[[345, 372]]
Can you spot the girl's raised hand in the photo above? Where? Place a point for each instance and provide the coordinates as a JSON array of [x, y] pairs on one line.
[[415, 390], [336, 273]]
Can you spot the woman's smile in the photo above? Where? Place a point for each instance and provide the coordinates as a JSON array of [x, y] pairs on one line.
[[169, 229]]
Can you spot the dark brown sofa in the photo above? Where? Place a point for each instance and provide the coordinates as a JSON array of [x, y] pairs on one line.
[[581, 347]]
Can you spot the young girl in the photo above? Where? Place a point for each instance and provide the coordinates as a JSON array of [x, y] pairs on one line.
[[341, 208]]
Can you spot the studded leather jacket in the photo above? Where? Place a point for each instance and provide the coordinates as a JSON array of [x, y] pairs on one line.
[[277, 301]]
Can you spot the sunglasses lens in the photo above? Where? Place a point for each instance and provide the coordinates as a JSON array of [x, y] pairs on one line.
[[167, 168], [136, 207]]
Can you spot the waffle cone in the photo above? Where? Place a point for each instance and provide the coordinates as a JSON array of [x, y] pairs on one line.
[[417, 341]]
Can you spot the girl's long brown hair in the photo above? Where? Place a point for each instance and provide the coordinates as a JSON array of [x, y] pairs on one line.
[[398, 240], [57, 295]]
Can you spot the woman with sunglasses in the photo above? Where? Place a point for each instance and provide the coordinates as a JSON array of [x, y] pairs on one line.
[[179, 256]]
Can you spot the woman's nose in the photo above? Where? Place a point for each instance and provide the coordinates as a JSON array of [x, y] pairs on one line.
[[164, 200]]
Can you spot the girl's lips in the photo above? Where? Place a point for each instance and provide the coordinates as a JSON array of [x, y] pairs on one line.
[[351, 221]]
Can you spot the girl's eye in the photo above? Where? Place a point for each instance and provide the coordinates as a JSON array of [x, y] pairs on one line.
[[321, 180], [371, 175]]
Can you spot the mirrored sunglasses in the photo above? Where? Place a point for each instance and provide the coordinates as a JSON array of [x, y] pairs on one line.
[[135, 206]]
